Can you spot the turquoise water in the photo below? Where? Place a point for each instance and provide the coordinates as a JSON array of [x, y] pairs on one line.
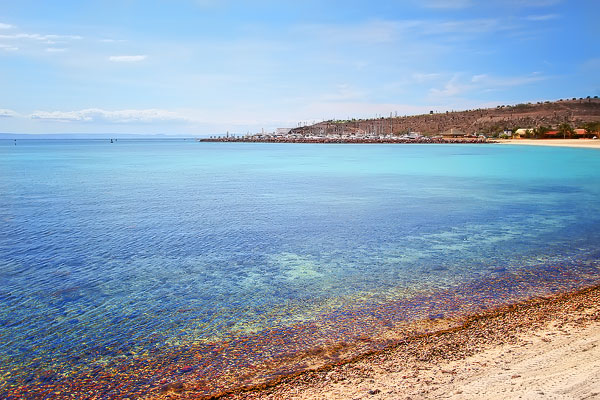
[[110, 251]]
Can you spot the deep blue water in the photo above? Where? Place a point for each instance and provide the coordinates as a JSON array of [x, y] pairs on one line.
[[104, 245]]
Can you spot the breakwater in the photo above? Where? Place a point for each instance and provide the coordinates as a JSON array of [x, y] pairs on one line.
[[283, 139]]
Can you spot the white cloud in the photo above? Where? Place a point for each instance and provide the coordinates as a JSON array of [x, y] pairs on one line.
[[491, 82], [326, 110], [545, 17], [55, 49], [18, 41], [483, 82], [117, 117], [39, 37], [451, 88], [5, 26], [423, 77], [4, 113], [472, 26], [127, 59], [479, 78], [343, 92], [7, 47]]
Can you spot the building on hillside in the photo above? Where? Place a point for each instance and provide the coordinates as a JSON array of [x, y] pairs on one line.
[[522, 132], [453, 133]]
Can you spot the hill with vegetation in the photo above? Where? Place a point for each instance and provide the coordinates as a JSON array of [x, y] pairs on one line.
[[538, 117]]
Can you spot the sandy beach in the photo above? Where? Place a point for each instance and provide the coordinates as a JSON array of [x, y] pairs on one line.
[[544, 348], [585, 143]]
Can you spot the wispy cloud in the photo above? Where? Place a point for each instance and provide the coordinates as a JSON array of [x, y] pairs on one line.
[[127, 59], [4, 113], [118, 117], [8, 47], [468, 26], [545, 17], [24, 41], [55, 49], [343, 92], [397, 31], [39, 37], [425, 77], [459, 84], [451, 88], [326, 110], [487, 81]]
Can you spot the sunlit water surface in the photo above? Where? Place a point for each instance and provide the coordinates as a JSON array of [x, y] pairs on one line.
[[112, 252]]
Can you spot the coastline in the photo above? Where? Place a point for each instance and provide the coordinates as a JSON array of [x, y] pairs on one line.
[[349, 140], [542, 347], [575, 143], [579, 143]]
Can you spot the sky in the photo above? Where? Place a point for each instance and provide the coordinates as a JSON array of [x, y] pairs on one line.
[[201, 67]]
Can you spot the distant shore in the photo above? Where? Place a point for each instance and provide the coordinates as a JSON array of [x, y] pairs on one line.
[[586, 143], [581, 143], [543, 347], [349, 140]]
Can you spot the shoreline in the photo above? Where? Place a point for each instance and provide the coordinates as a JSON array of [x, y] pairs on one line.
[[357, 140], [536, 347], [575, 143], [282, 360]]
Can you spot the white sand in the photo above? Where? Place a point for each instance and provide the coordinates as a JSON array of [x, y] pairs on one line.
[[587, 143], [550, 351], [553, 363]]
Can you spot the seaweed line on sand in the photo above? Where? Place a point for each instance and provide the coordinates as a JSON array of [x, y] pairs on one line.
[[478, 332]]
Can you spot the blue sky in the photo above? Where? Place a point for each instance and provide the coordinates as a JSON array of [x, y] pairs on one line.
[[207, 66]]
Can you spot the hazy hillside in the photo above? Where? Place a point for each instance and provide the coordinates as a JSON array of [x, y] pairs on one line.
[[488, 121]]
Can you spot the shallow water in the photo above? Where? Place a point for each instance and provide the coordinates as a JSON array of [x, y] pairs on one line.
[[112, 254]]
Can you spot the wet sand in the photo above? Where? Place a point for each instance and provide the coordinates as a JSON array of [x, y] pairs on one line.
[[544, 348], [584, 143]]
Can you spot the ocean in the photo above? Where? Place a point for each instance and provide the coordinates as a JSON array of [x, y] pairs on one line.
[[126, 266]]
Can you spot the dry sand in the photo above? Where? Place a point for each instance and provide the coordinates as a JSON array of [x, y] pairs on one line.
[[542, 349], [587, 143]]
